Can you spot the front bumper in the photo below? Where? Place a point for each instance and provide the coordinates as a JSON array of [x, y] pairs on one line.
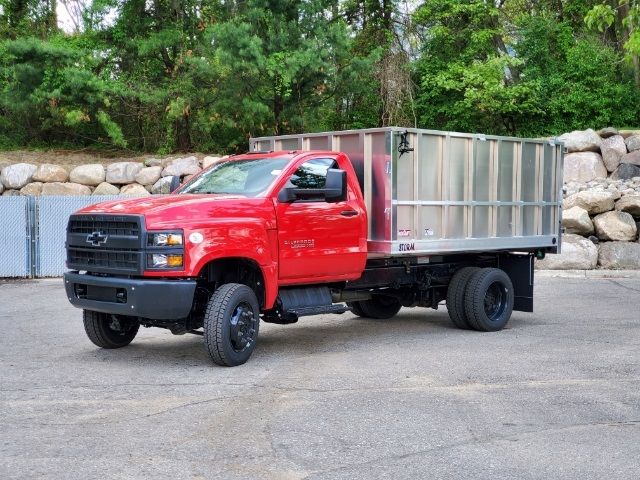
[[153, 299]]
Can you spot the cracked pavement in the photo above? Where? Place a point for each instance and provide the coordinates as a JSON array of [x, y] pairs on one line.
[[553, 396]]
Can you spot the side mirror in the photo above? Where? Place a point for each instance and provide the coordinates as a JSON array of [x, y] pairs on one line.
[[175, 184], [335, 189], [336, 185]]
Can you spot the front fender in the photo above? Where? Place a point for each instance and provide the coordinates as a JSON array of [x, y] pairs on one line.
[[242, 240]]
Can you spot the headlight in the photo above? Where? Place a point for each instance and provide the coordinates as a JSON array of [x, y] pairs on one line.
[[165, 239], [160, 260]]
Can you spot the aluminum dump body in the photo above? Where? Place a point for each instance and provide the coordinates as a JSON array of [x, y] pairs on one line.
[[431, 192]]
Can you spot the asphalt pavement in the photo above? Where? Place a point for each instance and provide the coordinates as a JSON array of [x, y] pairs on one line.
[[554, 396]]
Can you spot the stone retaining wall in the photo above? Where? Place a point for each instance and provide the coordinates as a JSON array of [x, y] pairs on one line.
[[153, 176], [601, 206]]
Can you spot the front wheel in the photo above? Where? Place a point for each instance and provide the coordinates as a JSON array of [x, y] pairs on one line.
[[488, 300], [231, 324], [109, 331]]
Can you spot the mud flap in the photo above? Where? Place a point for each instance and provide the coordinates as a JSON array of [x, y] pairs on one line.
[[520, 271]]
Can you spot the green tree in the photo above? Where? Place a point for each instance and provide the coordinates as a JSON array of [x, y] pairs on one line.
[[51, 95], [469, 77], [283, 63], [27, 17], [620, 19]]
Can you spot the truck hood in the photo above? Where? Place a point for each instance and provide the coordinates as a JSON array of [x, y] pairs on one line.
[[177, 211]]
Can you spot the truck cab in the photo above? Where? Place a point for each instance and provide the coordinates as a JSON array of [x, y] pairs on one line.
[[264, 220]]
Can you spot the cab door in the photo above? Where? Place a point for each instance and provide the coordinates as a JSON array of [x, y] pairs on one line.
[[319, 240]]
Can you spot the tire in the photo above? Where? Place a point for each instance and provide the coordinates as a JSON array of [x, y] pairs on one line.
[[109, 331], [231, 324], [379, 307], [356, 308], [455, 296], [488, 300]]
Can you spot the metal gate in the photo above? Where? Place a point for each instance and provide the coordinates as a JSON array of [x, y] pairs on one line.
[[33, 232]]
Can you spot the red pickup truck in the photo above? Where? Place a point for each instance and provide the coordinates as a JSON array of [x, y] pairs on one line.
[[278, 235]]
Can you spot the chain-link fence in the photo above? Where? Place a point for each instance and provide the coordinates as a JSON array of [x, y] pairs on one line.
[[34, 231]]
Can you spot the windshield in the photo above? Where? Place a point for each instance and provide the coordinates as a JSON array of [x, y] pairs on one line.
[[238, 177]]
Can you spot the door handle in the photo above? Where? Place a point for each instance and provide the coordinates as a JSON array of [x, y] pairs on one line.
[[349, 213]]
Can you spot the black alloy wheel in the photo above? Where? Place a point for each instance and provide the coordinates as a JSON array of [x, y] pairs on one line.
[[243, 326], [231, 324], [489, 300]]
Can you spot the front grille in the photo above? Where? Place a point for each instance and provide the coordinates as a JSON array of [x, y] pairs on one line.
[[106, 243], [116, 226]]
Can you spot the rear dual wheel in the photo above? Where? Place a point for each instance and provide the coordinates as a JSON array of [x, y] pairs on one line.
[[480, 299]]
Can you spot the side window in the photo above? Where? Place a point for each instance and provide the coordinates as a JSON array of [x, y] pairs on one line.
[[313, 173]]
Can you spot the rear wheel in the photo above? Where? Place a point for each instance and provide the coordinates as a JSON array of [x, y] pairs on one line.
[[455, 296], [231, 324], [109, 331], [379, 307], [489, 300]]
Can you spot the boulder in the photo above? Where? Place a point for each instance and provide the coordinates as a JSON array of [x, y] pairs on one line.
[[613, 189], [608, 132], [576, 220], [11, 193], [571, 188], [162, 186], [592, 201], [50, 173], [210, 160], [33, 189], [612, 149], [633, 143], [182, 167], [153, 162], [106, 189], [630, 204], [18, 175], [148, 175], [123, 172], [626, 171], [628, 133], [59, 188], [90, 175], [632, 158], [581, 141], [578, 253], [615, 226], [134, 190], [619, 255], [583, 167]]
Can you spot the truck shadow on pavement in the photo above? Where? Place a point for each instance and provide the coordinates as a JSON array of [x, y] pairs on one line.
[[310, 335]]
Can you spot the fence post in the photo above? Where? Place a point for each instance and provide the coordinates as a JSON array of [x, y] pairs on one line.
[[32, 225]]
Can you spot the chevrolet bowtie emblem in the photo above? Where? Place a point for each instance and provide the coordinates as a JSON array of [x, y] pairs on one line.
[[97, 238]]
